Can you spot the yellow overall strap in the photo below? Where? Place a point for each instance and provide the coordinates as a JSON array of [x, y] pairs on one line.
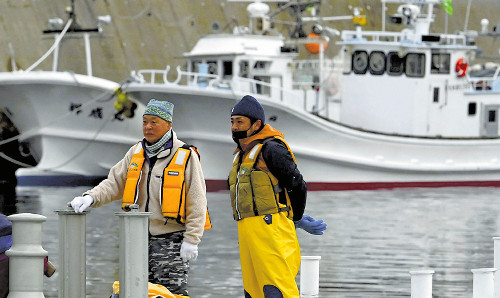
[[134, 173], [173, 196]]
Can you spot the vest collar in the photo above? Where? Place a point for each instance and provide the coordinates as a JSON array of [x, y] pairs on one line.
[[267, 132]]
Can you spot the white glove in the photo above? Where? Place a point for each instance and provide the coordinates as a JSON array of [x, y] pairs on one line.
[[80, 204], [189, 252]]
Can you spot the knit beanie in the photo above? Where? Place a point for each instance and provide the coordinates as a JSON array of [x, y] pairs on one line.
[[162, 109], [248, 106]]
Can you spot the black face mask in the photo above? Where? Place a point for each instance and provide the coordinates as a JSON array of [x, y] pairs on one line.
[[237, 135]]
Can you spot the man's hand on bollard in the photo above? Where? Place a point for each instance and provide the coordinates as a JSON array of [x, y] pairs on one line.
[[310, 225], [80, 204]]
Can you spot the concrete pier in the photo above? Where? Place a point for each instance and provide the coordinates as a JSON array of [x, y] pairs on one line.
[[72, 253], [133, 253], [26, 256], [421, 283], [496, 264], [309, 276], [483, 283]]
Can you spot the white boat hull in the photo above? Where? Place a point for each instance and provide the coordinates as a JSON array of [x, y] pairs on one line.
[[330, 156], [69, 122]]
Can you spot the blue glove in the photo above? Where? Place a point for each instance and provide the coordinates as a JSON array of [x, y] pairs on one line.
[[310, 225]]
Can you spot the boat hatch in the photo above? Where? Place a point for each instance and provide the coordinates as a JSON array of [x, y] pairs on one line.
[[490, 120]]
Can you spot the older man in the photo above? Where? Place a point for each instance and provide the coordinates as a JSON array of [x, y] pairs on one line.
[[147, 177]]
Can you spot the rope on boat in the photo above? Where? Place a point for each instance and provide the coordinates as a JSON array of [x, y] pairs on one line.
[[56, 43], [14, 161]]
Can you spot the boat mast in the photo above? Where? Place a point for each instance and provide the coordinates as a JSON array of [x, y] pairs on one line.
[[75, 31]]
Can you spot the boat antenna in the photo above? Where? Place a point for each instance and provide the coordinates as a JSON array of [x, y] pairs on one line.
[[467, 16], [56, 29], [296, 9]]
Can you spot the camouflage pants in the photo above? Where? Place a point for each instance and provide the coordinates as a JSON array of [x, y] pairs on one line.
[[166, 266]]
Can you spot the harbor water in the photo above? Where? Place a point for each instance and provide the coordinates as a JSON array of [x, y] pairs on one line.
[[373, 240]]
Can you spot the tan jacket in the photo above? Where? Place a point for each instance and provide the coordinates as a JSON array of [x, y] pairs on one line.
[[111, 189]]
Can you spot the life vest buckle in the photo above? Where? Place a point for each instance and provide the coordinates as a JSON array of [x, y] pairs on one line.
[[131, 207]]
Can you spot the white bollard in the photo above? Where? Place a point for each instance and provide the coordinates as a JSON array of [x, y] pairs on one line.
[[482, 283], [133, 253], [496, 264], [309, 276], [72, 253], [421, 283], [26, 256]]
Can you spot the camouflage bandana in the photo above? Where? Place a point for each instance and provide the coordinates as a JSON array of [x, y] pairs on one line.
[[152, 150]]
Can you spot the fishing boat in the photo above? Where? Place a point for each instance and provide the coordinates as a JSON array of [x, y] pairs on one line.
[[68, 122], [392, 109]]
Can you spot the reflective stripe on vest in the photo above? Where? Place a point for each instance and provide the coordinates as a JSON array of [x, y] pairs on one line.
[[173, 196], [172, 192]]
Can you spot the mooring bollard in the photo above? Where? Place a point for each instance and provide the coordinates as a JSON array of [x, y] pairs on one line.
[[421, 283], [496, 264], [26, 256], [133, 253], [72, 253], [482, 283], [309, 276]]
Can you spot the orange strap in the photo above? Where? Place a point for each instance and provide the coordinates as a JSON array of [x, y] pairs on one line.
[[134, 173]]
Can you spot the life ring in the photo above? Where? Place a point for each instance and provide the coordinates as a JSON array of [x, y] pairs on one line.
[[461, 67]]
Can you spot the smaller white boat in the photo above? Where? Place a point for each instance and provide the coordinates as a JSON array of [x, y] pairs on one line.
[[68, 121]]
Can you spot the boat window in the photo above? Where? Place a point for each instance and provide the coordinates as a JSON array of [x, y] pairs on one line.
[[377, 62], [360, 62], [262, 88], [212, 67], [194, 66], [436, 94], [492, 116], [261, 65], [227, 68], [415, 65], [440, 63], [472, 108], [244, 69], [395, 64]]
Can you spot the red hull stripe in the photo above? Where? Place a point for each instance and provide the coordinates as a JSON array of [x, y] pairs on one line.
[[219, 185]]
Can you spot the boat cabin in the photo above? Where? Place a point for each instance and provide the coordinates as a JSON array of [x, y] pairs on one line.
[[416, 83]]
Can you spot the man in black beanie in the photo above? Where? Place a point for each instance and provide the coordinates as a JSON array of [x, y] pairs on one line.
[[268, 197]]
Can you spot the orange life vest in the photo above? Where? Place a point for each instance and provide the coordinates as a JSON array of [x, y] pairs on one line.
[[173, 192]]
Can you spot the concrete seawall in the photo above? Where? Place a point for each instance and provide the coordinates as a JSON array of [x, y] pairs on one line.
[[154, 33]]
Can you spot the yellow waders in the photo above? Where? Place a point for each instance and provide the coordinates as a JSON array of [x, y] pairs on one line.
[[270, 254]]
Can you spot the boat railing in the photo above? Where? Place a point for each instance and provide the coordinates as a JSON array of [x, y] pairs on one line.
[[296, 96], [150, 75], [314, 65], [275, 92], [160, 76], [404, 35]]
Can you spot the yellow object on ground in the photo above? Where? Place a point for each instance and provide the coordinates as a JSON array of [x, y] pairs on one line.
[[270, 254], [153, 291]]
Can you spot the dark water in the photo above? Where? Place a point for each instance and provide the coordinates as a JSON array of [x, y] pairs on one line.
[[374, 239]]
